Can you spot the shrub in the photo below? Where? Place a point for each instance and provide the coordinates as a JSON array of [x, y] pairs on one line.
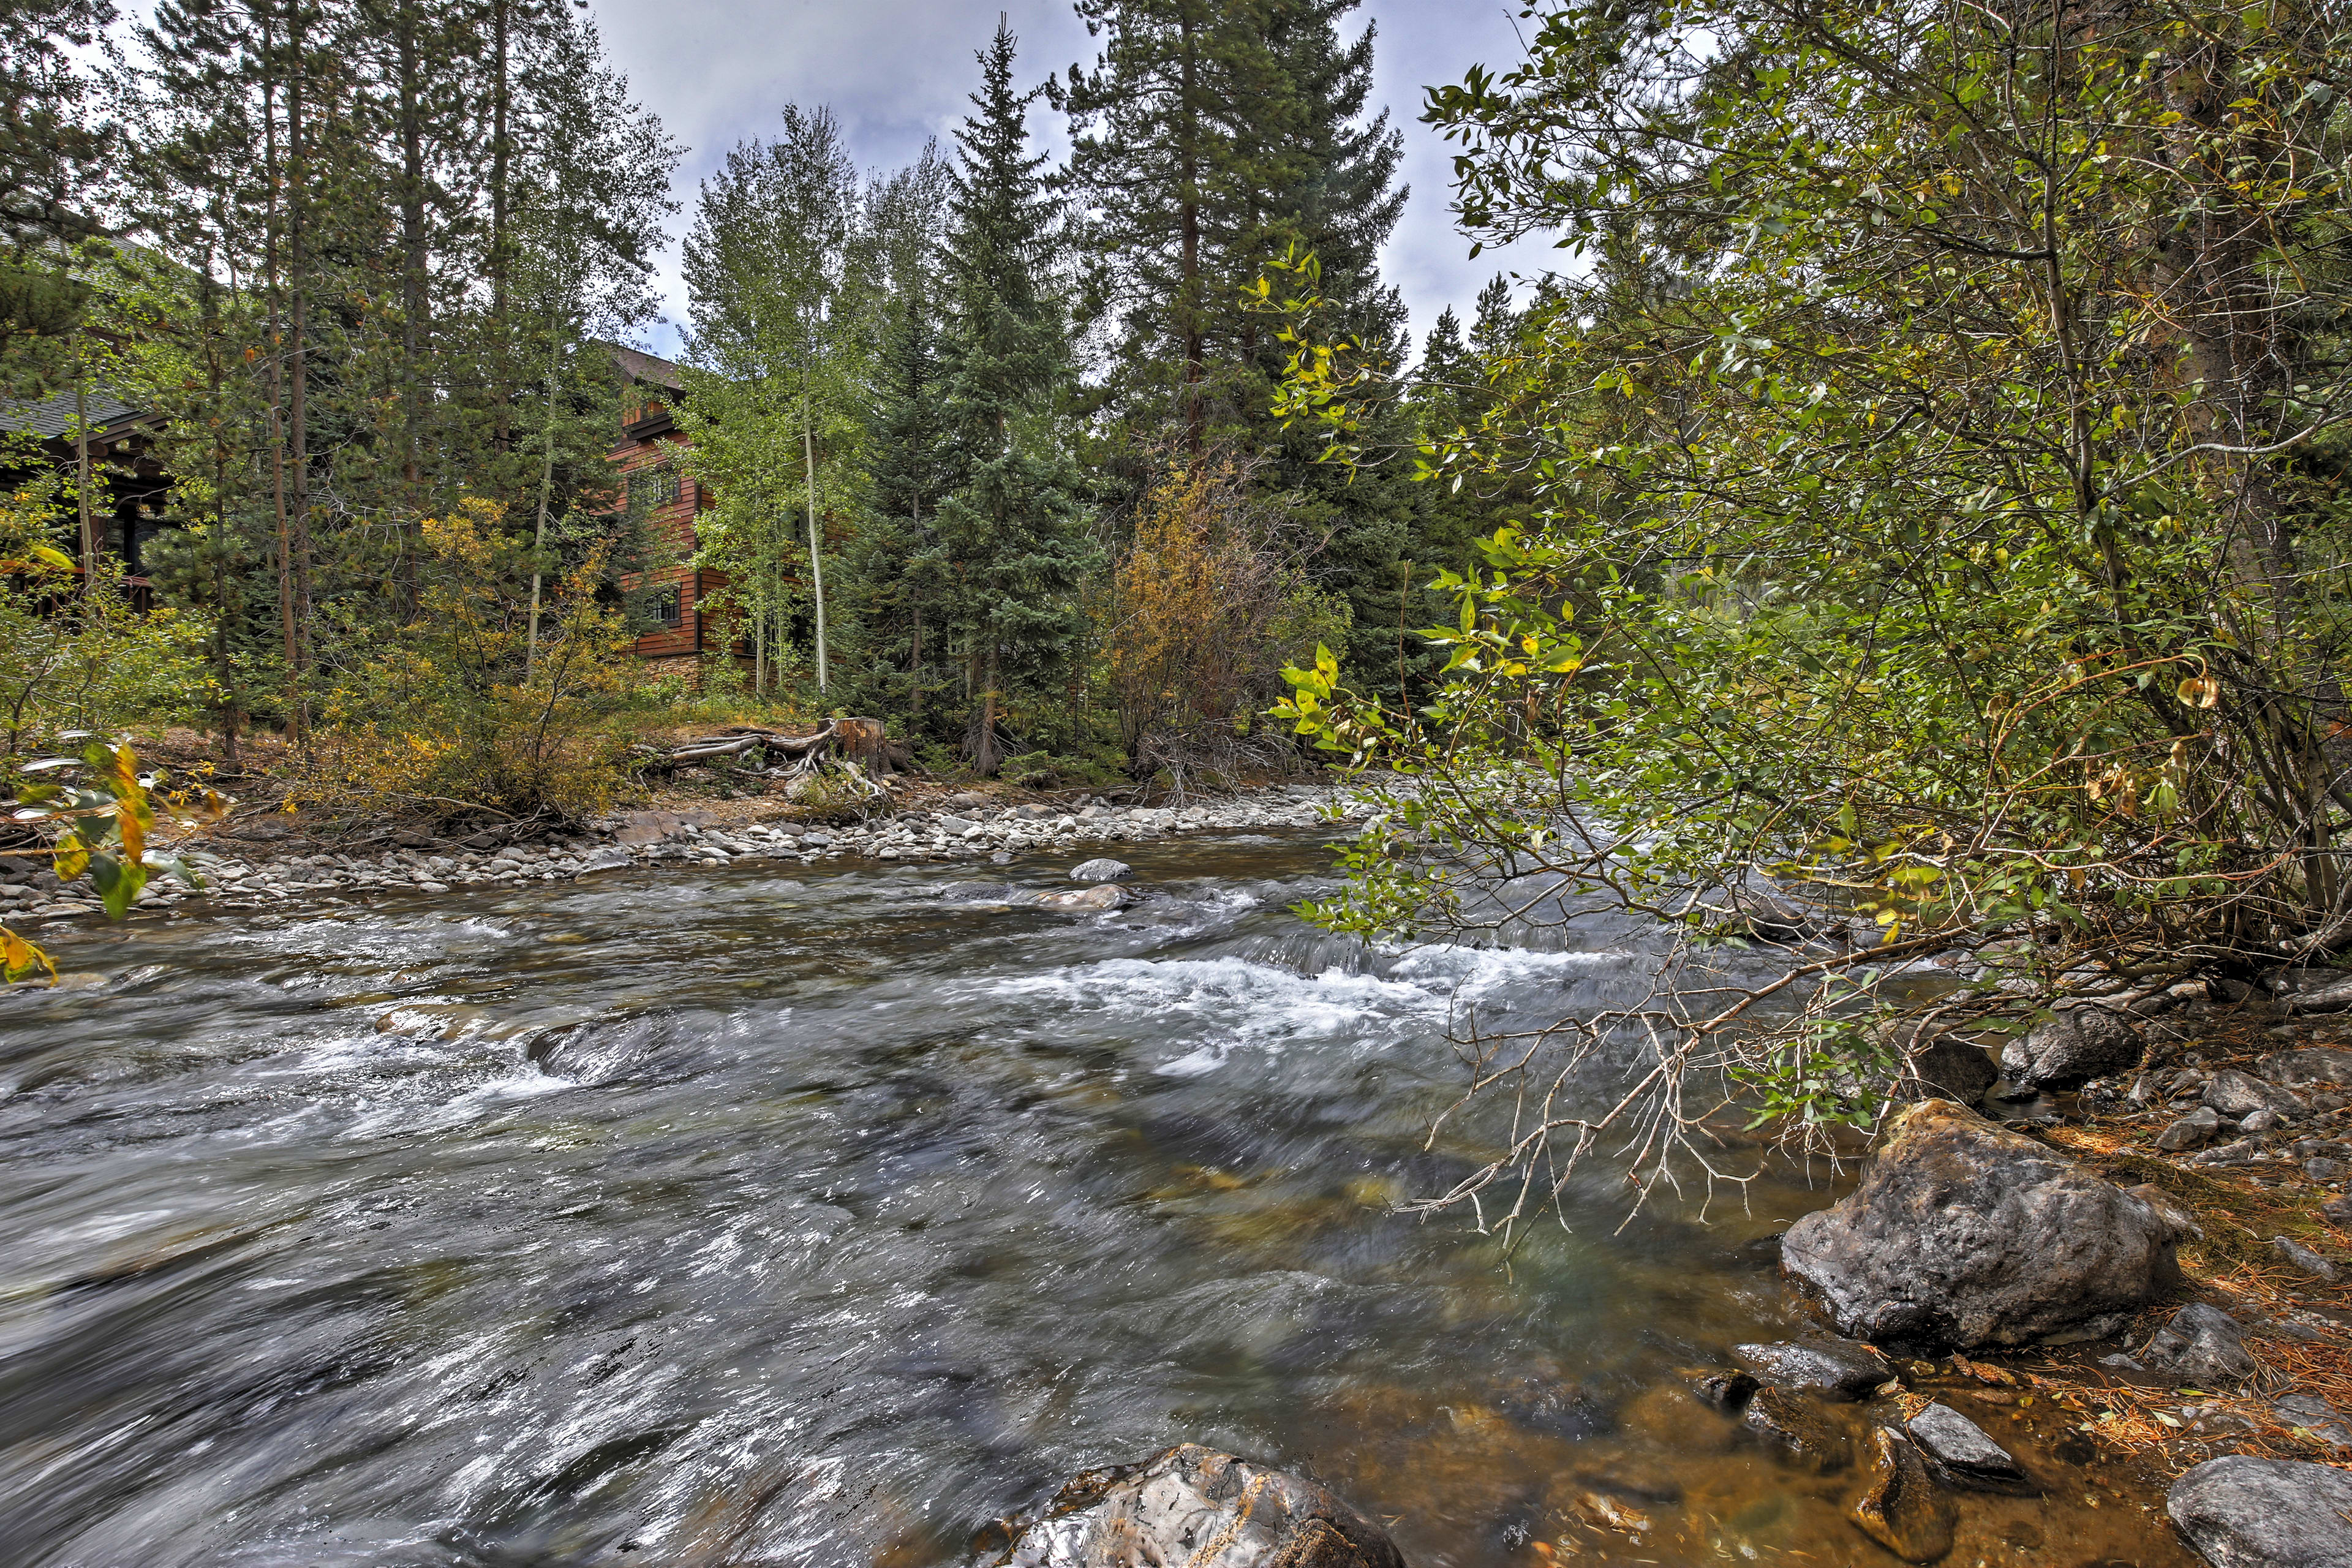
[[460, 712]]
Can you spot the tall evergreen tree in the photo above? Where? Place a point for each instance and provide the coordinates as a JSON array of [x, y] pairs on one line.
[[1012, 524]]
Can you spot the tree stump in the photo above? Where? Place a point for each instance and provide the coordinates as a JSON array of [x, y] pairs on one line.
[[862, 741]]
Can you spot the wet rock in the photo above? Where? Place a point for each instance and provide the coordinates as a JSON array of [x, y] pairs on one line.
[[2193, 1131], [1962, 1453], [1966, 1234], [1944, 1063], [1549, 1405], [1903, 1511], [1844, 1367], [2070, 1047], [2314, 1416], [1598, 1508], [1196, 1506], [610, 857], [2240, 1512], [2203, 1345], [1101, 870], [2302, 1260], [1724, 1390], [1105, 896], [1799, 1428], [2301, 1069], [2234, 1094]]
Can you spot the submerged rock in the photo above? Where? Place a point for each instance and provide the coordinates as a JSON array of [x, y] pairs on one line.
[[1966, 1234], [2202, 1346], [1845, 1367], [1196, 1506], [1962, 1453], [2244, 1512], [1102, 896], [2069, 1048], [1799, 1429], [1903, 1511]]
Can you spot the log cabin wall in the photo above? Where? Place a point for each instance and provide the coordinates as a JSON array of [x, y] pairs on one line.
[[647, 452]]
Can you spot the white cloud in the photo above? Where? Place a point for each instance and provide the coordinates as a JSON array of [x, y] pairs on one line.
[[897, 72]]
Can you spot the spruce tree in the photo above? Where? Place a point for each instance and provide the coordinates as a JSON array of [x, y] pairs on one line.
[[1012, 525]]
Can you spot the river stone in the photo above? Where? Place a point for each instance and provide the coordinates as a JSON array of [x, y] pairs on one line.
[[2069, 1048], [2190, 1132], [2301, 1258], [1103, 870], [1799, 1428], [2240, 1512], [1962, 1452], [2316, 1418], [2202, 1346], [2234, 1094], [1965, 1234], [2332, 997], [1843, 1367], [2301, 1069], [1105, 896], [1945, 1064], [1903, 1511], [1203, 1509], [610, 857]]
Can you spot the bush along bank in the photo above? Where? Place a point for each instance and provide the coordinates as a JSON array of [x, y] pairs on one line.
[[284, 871]]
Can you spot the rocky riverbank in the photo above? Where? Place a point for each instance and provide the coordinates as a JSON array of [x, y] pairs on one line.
[[263, 864]]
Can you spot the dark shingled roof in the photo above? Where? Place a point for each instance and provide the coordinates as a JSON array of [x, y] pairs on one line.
[[51, 417], [638, 365]]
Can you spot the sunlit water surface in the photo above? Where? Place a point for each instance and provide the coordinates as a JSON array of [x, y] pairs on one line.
[[811, 1217]]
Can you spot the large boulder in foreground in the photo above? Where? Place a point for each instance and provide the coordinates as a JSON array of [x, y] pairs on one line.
[[1966, 1234], [2244, 1512], [1196, 1506]]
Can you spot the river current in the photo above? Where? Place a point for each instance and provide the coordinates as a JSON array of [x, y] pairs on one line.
[[788, 1216]]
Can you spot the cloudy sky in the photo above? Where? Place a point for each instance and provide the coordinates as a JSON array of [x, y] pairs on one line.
[[896, 72]]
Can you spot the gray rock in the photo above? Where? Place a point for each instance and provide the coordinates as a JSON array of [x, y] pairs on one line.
[[2338, 1209], [1103, 870], [1965, 1234], [2192, 1131], [2334, 996], [2302, 1258], [2240, 1512], [2203, 1345], [1961, 1452], [2301, 1069], [2321, 1168], [610, 857], [2241, 1152], [1949, 1065], [1846, 1368], [1903, 1511], [2314, 1416], [1194, 1505], [2234, 1093], [2070, 1047], [2260, 1122]]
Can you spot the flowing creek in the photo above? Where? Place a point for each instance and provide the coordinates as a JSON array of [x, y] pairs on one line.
[[808, 1216]]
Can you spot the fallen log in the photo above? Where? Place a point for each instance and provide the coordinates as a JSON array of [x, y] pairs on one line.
[[860, 742]]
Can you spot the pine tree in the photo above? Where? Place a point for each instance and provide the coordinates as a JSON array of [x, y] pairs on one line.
[[895, 598], [1012, 525]]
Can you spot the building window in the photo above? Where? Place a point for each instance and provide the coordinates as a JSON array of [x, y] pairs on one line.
[[670, 608], [654, 486]]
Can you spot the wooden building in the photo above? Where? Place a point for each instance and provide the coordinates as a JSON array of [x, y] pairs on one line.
[[647, 452], [130, 488]]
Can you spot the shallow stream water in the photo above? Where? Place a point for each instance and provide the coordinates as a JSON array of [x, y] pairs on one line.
[[789, 1216]]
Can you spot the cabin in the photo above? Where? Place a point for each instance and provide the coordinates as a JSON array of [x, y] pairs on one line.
[[132, 490], [647, 452]]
